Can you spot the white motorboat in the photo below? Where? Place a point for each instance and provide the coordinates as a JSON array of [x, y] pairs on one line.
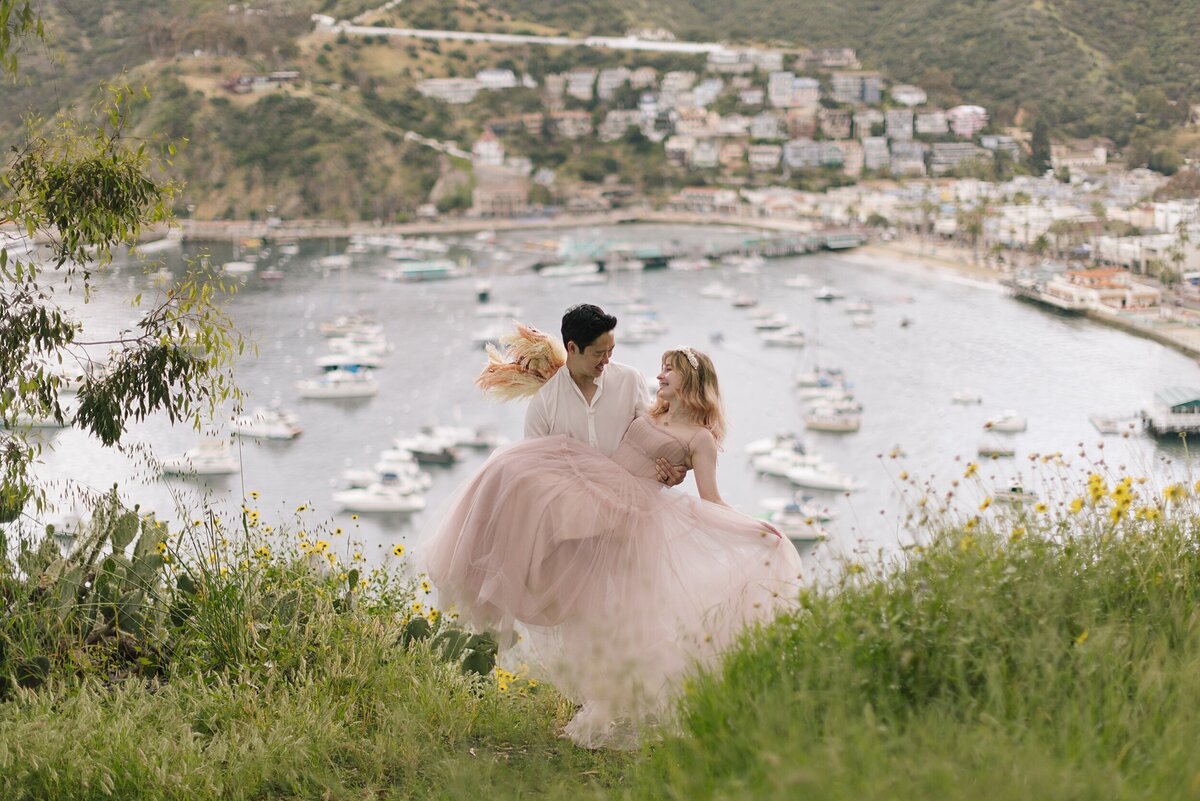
[[268, 422], [429, 449], [834, 422], [716, 289], [688, 265], [172, 241], [827, 293], [340, 383], [822, 477], [966, 397], [996, 449], [780, 461], [791, 336], [335, 261], [806, 504], [795, 525], [238, 267], [773, 322], [785, 439], [381, 496], [210, 457], [347, 324], [1008, 422], [161, 277], [1014, 494], [744, 302], [819, 377], [836, 404], [466, 437], [798, 281], [357, 358]]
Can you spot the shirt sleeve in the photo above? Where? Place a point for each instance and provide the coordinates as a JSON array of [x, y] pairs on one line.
[[536, 424], [641, 396]]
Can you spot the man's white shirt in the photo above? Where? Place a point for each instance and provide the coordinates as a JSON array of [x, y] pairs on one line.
[[560, 408]]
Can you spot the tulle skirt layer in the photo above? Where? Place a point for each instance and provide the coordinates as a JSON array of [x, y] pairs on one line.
[[616, 586]]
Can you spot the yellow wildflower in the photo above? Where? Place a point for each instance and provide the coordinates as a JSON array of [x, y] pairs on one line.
[[254, 494], [966, 543], [433, 615], [161, 547], [353, 517], [418, 607], [1041, 508], [397, 549], [1175, 493], [986, 503], [321, 546], [970, 471], [302, 508], [1148, 513], [1082, 638], [425, 585], [1116, 513], [1076, 505], [263, 551], [904, 475], [1017, 533]]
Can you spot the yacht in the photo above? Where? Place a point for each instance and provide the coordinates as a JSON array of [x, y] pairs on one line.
[[347, 324], [357, 358], [429, 449], [268, 422], [466, 436], [795, 525], [804, 503], [210, 457], [827, 293], [780, 461], [238, 267], [1112, 423], [340, 382], [771, 322], [1008, 422], [819, 377], [392, 494], [744, 302], [1014, 494], [822, 477], [966, 397], [784, 439], [996, 449], [335, 261], [832, 421], [791, 336]]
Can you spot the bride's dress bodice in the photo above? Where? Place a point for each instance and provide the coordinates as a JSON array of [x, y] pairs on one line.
[[644, 443]]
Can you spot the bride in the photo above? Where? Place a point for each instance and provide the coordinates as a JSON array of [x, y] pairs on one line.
[[615, 586]]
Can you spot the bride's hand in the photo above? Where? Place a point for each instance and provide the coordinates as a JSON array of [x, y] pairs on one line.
[[671, 475]]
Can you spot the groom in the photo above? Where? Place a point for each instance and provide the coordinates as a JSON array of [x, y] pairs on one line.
[[593, 399]]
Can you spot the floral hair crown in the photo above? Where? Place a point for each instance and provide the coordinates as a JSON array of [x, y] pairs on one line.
[[691, 357]]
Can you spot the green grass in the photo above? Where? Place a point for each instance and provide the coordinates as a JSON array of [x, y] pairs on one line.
[[1047, 655]]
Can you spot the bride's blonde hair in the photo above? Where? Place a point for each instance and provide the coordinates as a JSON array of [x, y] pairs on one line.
[[699, 393]]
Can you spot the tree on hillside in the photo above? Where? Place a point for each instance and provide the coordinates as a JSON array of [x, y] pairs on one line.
[[1039, 147], [74, 191]]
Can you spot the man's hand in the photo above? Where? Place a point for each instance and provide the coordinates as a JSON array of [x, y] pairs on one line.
[[669, 474]]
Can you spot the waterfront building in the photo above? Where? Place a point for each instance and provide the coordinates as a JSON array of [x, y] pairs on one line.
[[1176, 410], [908, 158], [706, 154], [931, 122], [487, 150], [706, 200], [499, 192], [802, 153], [764, 157], [948, 155], [1111, 287], [678, 149], [733, 155]]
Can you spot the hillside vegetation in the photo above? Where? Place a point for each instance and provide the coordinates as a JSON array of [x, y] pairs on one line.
[[333, 145]]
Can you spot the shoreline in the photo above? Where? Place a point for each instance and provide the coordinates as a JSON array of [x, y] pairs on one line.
[[1181, 335]]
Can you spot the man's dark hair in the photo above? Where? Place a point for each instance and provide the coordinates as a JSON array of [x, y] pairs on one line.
[[583, 325]]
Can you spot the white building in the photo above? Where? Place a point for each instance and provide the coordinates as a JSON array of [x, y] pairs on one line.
[[899, 122], [496, 79], [931, 122], [488, 150], [450, 90], [908, 95], [966, 121]]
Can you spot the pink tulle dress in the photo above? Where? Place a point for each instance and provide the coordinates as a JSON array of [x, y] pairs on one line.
[[615, 586]]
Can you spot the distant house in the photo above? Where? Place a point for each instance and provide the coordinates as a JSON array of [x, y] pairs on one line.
[[802, 154], [450, 90], [801, 122], [966, 121], [875, 153], [764, 157], [1106, 286], [948, 155], [487, 150], [1002, 144], [678, 81], [706, 154], [751, 97], [706, 200], [835, 58], [610, 80], [534, 123], [908, 158], [643, 77], [706, 92], [899, 123], [781, 89], [692, 122], [865, 119], [766, 125], [499, 192], [617, 122], [571, 124], [1078, 155], [553, 88], [908, 95], [496, 79], [856, 87], [733, 125], [678, 149], [729, 61], [931, 122], [733, 155], [581, 83], [835, 123], [852, 157]]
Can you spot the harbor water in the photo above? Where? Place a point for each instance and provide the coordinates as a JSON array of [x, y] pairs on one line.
[[931, 336]]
